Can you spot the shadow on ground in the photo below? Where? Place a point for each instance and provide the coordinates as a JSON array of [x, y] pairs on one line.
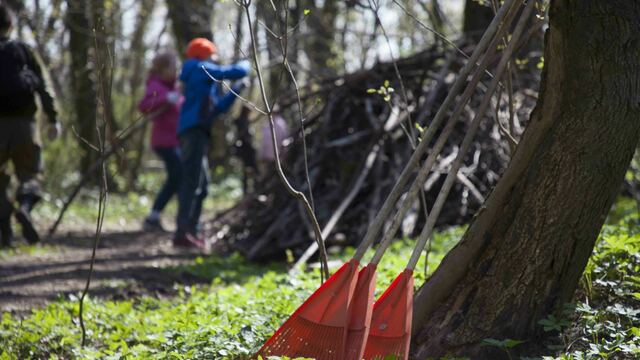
[[128, 264]]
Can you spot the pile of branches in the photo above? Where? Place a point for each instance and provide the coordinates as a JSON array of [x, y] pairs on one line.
[[358, 141]]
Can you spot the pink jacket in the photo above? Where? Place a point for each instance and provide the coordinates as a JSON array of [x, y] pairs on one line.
[[165, 123]]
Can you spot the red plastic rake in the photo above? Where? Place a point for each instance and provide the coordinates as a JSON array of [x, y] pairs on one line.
[[391, 319], [335, 321], [319, 328], [360, 313], [391, 322]]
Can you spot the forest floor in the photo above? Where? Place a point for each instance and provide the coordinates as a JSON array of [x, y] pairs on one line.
[[129, 261], [128, 264], [148, 300]]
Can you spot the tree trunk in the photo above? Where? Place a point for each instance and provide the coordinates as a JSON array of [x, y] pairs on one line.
[[136, 63], [476, 18], [104, 27], [274, 20], [320, 42], [82, 81], [524, 253], [190, 19]]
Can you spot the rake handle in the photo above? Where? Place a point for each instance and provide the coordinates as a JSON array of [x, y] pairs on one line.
[[427, 230], [442, 139], [422, 147]]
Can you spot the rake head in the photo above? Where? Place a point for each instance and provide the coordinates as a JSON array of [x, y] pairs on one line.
[[318, 329], [360, 313], [390, 332]]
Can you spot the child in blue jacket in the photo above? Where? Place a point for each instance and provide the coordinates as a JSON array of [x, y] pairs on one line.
[[204, 101]]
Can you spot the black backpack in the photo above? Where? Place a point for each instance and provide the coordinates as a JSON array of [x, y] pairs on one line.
[[18, 81]]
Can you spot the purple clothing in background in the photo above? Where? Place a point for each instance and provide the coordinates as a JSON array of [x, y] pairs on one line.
[[165, 123], [282, 132]]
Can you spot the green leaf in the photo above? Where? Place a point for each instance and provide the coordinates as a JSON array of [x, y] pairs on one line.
[[511, 343], [503, 344], [307, 12], [493, 342]]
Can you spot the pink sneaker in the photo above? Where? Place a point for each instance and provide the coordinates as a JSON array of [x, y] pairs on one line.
[[188, 240], [197, 240]]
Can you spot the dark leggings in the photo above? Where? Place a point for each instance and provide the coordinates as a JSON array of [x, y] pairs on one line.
[[171, 158], [194, 144]]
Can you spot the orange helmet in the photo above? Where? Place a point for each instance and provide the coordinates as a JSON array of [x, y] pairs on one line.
[[201, 48]]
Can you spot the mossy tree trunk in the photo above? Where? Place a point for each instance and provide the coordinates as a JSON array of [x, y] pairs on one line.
[[524, 253]]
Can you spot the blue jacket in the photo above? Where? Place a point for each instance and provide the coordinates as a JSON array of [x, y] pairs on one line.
[[203, 97]]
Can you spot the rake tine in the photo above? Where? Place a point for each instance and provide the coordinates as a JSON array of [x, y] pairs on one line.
[[318, 328]]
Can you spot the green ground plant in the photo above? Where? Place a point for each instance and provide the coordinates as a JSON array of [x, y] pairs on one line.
[[244, 302]]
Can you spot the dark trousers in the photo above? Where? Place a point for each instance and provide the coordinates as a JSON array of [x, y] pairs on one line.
[[171, 158], [194, 144], [18, 145]]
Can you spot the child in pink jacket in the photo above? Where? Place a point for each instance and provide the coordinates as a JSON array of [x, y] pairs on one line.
[[161, 102]]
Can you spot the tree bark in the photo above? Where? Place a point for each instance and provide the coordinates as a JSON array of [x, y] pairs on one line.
[[82, 80], [136, 63], [525, 251], [280, 29], [104, 27], [320, 43], [476, 18], [190, 19]]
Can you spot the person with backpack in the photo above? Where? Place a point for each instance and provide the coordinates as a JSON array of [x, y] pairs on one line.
[[20, 81], [161, 102], [205, 100]]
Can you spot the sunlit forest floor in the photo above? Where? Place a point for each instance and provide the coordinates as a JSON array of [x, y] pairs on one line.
[[130, 261], [150, 301]]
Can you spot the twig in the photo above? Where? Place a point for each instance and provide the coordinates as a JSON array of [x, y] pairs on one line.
[[102, 200], [422, 147], [126, 134], [285, 63], [439, 287], [437, 34], [299, 195], [468, 139], [412, 137], [462, 178], [337, 214]]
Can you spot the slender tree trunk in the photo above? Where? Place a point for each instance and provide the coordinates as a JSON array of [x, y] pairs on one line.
[[320, 42], [45, 27], [82, 80], [476, 18], [136, 84], [190, 19], [104, 27], [279, 25], [272, 27], [524, 253], [238, 35]]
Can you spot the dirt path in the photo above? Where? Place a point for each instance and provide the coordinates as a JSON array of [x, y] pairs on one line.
[[128, 264]]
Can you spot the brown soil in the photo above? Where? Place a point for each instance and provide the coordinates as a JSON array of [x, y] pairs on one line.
[[128, 264]]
